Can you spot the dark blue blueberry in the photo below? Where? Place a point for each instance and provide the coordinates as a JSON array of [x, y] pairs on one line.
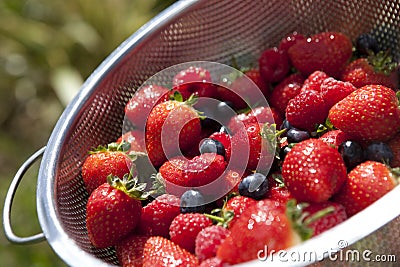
[[379, 151], [295, 135], [255, 186], [352, 153], [366, 43], [283, 152], [208, 145], [211, 124], [192, 201], [286, 125]]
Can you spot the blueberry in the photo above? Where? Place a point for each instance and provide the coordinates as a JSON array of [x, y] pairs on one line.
[[208, 145], [192, 201], [284, 151], [365, 43], [352, 153], [295, 135], [286, 125], [254, 186], [211, 124], [379, 151]]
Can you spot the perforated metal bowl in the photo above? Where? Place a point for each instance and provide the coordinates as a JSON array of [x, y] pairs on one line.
[[211, 30]]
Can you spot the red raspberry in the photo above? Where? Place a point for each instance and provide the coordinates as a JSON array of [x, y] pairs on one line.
[[333, 90], [208, 240], [306, 110], [185, 227], [314, 81], [213, 262]]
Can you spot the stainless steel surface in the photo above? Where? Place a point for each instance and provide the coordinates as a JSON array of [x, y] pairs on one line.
[[209, 30]]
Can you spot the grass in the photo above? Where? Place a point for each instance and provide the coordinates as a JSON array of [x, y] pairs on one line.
[[47, 49]]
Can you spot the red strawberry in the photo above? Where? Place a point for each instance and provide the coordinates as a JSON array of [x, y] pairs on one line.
[[365, 184], [277, 190], [208, 240], [334, 138], [314, 81], [313, 171], [113, 210], [251, 149], [185, 227], [286, 90], [333, 91], [157, 216], [323, 216], [171, 127], [394, 145], [136, 139], [257, 115], [246, 90], [263, 224], [376, 69], [130, 250], [181, 172], [306, 110], [290, 40], [159, 251], [237, 205], [326, 51], [194, 81], [104, 161], [139, 106], [371, 113], [274, 64]]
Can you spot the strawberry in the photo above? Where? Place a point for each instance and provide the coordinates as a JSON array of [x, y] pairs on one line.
[[334, 138], [333, 91], [277, 189], [306, 110], [325, 51], [375, 69], [314, 81], [181, 172], [156, 217], [323, 216], [289, 40], [237, 205], [139, 106], [371, 113], [224, 138], [251, 148], [104, 161], [194, 81], [286, 90], [257, 115], [313, 171], [130, 250], [159, 251], [246, 90], [365, 184], [135, 138], [208, 240], [274, 64], [167, 122], [185, 227], [113, 210], [263, 224]]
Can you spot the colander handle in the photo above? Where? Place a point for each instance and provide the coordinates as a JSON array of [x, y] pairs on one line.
[[11, 236]]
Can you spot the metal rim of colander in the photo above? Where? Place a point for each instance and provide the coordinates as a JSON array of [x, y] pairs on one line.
[[71, 254]]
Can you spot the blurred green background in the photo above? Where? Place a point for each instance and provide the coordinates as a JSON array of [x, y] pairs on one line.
[[47, 50]]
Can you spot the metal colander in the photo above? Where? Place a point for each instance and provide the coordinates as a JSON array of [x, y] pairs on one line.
[[209, 30]]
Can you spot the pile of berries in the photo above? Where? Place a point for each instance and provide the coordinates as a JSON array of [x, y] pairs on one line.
[[220, 190]]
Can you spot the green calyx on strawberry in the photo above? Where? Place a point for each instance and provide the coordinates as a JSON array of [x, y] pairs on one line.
[[130, 186], [382, 62], [112, 147]]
